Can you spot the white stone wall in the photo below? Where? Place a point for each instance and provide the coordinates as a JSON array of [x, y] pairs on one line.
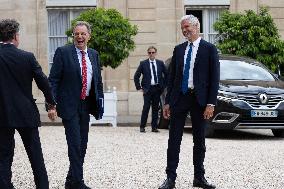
[[158, 23]]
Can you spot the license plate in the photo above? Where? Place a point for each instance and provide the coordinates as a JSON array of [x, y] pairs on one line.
[[264, 113]]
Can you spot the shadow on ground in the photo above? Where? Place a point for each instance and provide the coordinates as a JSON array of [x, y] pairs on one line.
[[257, 134]]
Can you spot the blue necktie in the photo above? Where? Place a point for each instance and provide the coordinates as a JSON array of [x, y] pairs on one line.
[[184, 86]]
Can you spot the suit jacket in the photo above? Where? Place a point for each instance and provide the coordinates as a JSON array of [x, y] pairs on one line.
[[18, 68], [206, 74], [66, 82], [144, 69]]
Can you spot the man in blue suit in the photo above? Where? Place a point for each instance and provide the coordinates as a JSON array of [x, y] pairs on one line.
[[153, 83], [18, 110], [192, 87], [76, 82]]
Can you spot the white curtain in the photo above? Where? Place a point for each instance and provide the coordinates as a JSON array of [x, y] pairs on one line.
[[58, 23], [59, 20], [213, 15]]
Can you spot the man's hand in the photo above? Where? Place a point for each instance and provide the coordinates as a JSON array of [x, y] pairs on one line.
[[208, 113], [52, 114], [166, 111]]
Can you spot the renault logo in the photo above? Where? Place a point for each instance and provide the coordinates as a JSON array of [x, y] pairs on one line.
[[263, 98]]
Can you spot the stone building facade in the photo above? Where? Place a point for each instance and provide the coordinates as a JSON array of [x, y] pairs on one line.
[[158, 22]]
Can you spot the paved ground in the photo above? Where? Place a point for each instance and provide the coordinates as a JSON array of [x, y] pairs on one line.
[[123, 158]]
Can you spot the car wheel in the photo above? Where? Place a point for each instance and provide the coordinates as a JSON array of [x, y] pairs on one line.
[[278, 132], [209, 131], [163, 123]]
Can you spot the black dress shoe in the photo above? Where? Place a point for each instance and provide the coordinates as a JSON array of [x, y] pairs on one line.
[[155, 130], [68, 183], [202, 183], [79, 185], [12, 186], [168, 184], [142, 130]]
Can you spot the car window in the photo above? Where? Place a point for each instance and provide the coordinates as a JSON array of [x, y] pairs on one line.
[[240, 70]]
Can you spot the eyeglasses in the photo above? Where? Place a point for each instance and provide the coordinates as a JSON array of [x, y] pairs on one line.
[[77, 34], [151, 52]]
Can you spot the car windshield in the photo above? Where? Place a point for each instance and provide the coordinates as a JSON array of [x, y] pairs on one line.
[[240, 70]]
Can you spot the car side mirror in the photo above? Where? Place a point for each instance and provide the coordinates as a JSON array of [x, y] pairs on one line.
[[277, 76]]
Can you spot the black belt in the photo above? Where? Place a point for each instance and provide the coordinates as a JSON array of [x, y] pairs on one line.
[[189, 91], [86, 99], [156, 85]]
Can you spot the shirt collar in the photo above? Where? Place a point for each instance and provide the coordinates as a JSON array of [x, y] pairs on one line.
[[79, 51], [6, 43], [152, 60], [196, 42]]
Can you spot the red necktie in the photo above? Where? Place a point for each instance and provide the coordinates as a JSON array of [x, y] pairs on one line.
[[84, 76]]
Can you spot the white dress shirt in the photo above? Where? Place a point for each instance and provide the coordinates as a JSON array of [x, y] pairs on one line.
[[192, 61], [193, 56], [89, 68]]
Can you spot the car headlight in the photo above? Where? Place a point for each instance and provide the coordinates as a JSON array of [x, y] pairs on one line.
[[226, 96]]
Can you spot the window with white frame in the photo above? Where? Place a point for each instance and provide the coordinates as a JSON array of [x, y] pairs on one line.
[[207, 16], [59, 21]]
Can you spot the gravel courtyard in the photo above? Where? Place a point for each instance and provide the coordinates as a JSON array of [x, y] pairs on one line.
[[124, 158]]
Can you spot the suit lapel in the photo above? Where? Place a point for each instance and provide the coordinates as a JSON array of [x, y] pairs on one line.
[[181, 57], [148, 64], [158, 68], [94, 66], [76, 61], [94, 90], [92, 59], [200, 47]]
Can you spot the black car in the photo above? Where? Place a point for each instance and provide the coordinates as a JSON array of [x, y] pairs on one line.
[[250, 97]]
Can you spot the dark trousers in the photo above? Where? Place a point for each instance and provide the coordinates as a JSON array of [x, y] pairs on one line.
[[151, 98], [31, 140], [186, 103], [76, 131]]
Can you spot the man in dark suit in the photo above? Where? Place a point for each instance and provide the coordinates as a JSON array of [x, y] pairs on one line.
[[192, 87], [18, 110], [152, 85], [76, 82]]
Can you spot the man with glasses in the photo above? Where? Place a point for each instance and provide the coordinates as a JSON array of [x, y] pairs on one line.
[[76, 82], [152, 85]]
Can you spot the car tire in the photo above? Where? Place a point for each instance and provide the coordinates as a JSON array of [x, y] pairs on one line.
[[278, 132], [163, 123], [209, 132]]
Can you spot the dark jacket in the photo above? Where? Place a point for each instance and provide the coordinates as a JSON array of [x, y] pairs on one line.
[[144, 69], [206, 74], [18, 68], [66, 82]]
